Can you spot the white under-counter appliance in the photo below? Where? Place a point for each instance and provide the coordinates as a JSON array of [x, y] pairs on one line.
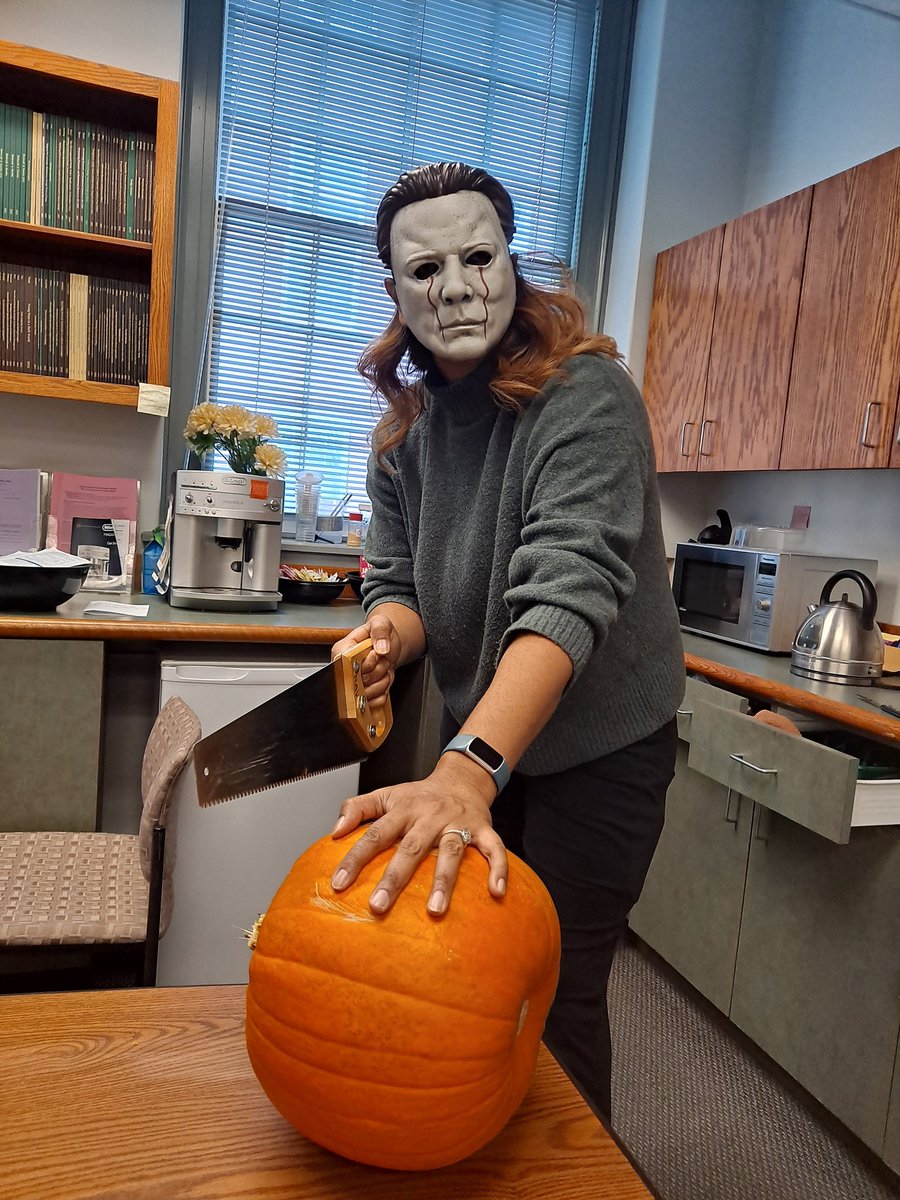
[[230, 858], [756, 598]]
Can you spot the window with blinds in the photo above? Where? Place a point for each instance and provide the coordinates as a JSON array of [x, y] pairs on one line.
[[324, 104]]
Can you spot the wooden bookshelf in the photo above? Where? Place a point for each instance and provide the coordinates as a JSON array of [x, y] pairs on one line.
[[57, 84]]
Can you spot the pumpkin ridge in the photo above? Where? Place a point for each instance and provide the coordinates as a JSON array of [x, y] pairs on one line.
[[380, 1084], [492, 1112], [398, 992], [501, 1056]]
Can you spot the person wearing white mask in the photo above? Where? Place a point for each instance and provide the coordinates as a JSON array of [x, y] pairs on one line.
[[515, 538]]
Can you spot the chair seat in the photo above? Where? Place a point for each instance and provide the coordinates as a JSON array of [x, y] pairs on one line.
[[64, 888]]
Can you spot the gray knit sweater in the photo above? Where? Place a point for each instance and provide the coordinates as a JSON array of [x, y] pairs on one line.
[[492, 525]]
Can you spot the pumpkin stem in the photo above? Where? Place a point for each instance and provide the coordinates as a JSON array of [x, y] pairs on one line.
[[252, 935]]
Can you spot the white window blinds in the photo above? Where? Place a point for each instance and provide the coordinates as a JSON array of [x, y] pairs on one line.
[[325, 103]]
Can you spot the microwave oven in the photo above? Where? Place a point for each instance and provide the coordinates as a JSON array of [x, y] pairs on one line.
[[756, 598]]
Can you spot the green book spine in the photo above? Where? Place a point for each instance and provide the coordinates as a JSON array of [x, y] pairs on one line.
[[26, 165], [16, 213], [69, 147], [129, 194], [9, 163], [51, 141], [22, 117], [4, 154], [88, 179], [15, 162], [6, 175]]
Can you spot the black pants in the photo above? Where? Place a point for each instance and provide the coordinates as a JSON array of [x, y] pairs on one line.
[[589, 833]]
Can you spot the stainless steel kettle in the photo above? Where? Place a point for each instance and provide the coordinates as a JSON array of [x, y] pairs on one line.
[[839, 642]]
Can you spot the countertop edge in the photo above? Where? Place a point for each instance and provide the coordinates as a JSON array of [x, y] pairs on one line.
[[885, 727], [120, 629], [125, 629]]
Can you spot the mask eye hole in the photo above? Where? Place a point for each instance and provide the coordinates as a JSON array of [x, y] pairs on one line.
[[425, 270], [479, 258]]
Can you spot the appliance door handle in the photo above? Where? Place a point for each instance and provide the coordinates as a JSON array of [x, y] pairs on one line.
[[685, 426], [739, 758], [865, 429], [684, 712], [703, 425]]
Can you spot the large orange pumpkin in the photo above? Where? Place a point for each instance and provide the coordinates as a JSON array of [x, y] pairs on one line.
[[403, 1040]]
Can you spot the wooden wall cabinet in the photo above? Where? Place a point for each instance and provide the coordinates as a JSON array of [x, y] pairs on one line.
[[774, 340], [721, 339], [846, 373], [110, 99], [681, 322]]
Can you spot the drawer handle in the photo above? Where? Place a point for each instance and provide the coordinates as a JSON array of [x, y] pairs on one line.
[[684, 712], [739, 758]]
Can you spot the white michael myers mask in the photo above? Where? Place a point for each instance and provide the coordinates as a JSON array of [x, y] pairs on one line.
[[453, 279]]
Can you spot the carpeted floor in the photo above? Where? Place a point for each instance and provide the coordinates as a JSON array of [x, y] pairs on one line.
[[702, 1116]]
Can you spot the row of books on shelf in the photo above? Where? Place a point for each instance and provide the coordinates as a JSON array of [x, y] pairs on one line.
[[76, 326], [72, 174], [92, 516]]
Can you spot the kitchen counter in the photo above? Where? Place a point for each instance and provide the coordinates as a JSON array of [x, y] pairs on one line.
[[768, 677], [305, 624]]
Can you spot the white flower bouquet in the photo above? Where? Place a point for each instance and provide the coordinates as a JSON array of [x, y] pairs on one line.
[[243, 438]]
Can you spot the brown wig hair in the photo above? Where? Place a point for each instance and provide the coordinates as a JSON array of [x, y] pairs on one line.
[[547, 327]]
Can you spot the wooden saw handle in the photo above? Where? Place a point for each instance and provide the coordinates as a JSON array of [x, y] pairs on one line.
[[353, 708]]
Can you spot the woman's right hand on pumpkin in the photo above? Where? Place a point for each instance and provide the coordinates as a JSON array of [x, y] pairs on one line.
[[380, 664]]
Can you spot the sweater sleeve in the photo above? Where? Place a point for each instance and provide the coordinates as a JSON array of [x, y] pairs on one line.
[[586, 472], [390, 574]]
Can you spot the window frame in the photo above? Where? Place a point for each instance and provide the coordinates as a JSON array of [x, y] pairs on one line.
[[196, 215]]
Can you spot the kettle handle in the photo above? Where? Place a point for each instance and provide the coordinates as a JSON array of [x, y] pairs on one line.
[[870, 599]]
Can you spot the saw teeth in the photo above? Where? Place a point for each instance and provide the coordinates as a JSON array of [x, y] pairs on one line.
[[209, 801]]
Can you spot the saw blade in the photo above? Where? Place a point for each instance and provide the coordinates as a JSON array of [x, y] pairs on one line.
[[296, 734]]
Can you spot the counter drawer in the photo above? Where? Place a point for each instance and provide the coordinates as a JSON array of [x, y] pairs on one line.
[[812, 785], [699, 693]]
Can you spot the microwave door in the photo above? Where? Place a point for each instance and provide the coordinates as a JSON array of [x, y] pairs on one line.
[[714, 593]]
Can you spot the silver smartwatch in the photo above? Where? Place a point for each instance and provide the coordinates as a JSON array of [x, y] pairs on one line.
[[486, 756]]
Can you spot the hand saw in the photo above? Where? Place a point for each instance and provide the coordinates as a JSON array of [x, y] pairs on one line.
[[318, 724]]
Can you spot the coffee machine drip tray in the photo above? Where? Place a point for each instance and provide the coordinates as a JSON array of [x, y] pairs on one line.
[[223, 599]]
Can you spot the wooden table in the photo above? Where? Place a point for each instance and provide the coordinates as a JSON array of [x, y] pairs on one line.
[[147, 1094]]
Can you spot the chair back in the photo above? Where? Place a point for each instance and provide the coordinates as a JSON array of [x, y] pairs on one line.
[[169, 746]]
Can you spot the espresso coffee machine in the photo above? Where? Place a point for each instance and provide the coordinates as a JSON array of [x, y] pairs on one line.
[[226, 541]]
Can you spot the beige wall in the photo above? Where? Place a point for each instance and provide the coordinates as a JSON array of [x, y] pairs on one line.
[[65, 435]]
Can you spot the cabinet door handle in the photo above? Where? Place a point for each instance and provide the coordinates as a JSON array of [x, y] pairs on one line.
[[703, 425], [761, 833], [684, 712], [739, 758], [685, 426], [865, 429], [732, 820]]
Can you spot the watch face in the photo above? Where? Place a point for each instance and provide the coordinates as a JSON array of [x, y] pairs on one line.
[[486, 753]]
